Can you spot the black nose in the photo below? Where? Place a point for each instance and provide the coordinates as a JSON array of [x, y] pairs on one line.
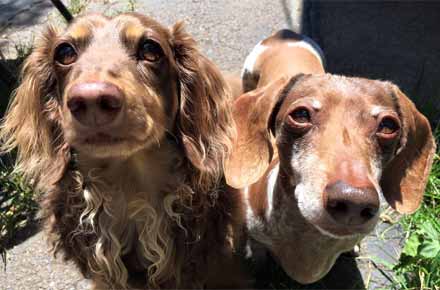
[[349, 205], [95, 103]]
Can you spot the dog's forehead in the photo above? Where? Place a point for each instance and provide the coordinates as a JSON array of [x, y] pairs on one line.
[[129, 26], [83, 26], [328, 92], [134, 25]]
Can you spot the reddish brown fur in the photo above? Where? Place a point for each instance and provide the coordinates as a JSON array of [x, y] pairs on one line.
[[186, 103], [334, 156], [281, 57], [289, 233], [234, 82]]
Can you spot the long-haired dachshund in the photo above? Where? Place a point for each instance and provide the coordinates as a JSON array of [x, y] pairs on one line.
[[124, 125]]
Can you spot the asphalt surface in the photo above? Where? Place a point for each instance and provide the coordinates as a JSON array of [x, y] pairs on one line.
[[226, 31]]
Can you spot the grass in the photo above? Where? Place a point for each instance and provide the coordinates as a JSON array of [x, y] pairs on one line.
[[17, 203], [17, 207], [419, 264], [24, 49], [131, 5], [76, 7]]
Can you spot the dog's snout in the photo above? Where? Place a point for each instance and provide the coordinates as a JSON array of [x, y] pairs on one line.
[[95, 103], [349, 205]]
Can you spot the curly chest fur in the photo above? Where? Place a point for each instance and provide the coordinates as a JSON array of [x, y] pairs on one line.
[[115, 220], [132, 223]]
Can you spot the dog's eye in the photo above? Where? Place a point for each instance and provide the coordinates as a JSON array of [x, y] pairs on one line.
[[301, 115], [65, 54], [150, 50], [387, 130], [388, 126], [300, 120]]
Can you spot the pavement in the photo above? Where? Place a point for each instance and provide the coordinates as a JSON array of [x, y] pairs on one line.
[[20, 21], [217, 25], [226, 31]]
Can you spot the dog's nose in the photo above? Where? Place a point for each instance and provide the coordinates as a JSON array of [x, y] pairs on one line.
[[95, 103], [349, 205]]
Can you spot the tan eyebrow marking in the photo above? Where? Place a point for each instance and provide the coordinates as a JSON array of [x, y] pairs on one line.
[[133, 32], [81, 31]]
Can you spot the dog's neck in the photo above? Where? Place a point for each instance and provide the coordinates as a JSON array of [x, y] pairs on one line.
[[149, 170]]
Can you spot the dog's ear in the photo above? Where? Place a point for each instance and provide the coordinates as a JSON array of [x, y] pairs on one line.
[[205, 120], [253, 149], [26, 126], [404, 179]]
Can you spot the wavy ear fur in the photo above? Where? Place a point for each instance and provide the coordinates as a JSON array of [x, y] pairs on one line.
[[27, 125], [404, 178], [205, 122]]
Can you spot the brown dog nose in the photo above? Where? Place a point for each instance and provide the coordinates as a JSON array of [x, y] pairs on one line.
[[95, 103], [349, 205]]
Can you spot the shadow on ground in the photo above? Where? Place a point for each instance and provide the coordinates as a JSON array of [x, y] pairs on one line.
[[345, 274], [391, 40], [8, 80], [16, 15], [22, 13]]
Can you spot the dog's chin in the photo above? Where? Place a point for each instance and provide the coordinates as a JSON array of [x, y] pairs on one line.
[[115, 148], [335, 231]]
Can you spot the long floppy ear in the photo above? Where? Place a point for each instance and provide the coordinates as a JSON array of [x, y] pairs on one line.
[[26, 126], [404, 178], [205, 120], [253, 149]]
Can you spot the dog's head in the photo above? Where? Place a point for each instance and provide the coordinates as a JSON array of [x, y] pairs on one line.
[[342, 143], [108, 87]]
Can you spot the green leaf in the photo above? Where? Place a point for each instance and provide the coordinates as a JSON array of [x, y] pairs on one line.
[[430, 249], [411, 245], [429, 229]]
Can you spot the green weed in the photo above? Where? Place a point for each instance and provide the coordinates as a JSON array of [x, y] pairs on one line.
[[419, 264], [17, 207], [76, 7]]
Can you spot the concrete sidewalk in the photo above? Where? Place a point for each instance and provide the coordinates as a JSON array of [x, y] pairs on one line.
[[20, 21]]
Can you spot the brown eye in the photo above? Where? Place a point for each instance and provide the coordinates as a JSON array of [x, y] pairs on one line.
[[388, 127], [300, 119], [150, 50], [65, 54], [301, 115]]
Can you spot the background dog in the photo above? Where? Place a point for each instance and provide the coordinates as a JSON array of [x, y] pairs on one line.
[[317, 154]]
